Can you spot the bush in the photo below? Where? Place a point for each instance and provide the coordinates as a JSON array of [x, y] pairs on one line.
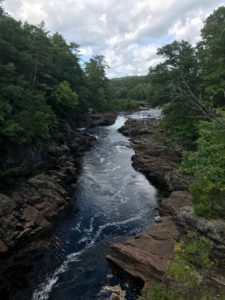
[[208, 165], [185, 277]]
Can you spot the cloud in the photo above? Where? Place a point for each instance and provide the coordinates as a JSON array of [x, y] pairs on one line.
[[126, 32]]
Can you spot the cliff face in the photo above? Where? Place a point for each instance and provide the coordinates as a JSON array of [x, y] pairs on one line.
[[31, 204], [157, 160], [147, 254]]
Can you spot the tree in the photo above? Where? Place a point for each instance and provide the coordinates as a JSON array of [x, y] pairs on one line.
[[42, 87], [212, 56], [65, 101], [208, 165], [169, 81], [97, 82]]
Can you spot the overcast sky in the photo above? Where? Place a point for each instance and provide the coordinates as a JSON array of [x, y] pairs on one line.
[[126, 32]]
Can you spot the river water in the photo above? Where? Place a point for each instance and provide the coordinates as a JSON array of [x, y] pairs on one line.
[[111, 200]]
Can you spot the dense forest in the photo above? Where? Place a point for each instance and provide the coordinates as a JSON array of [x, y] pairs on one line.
[[43, 88], [45, 92], [130, 92], [190, 87]]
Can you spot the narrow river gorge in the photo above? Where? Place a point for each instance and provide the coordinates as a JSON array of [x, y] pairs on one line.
[[112, 200]]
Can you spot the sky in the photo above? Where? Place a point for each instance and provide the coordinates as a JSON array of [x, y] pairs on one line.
[[127, 32]]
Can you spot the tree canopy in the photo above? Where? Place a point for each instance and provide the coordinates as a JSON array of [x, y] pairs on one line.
[[42, 84]]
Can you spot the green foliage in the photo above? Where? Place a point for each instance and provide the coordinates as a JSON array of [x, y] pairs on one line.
[[212, 56], [158, 292], [189, 85], [65, 100], [42, 86], [196, 251], [169, 79], [184, 274], [125, 104], [97, 82], [180, 121], [208, 164], [130, 92], [185, 277]]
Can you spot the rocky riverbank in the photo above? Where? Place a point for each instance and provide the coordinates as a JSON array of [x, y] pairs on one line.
[[30, 205], [147, 254]]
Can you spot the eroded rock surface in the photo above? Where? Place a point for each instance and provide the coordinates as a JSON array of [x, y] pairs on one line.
[[33, 203], [147, 254], [158, 160], [176, 200]]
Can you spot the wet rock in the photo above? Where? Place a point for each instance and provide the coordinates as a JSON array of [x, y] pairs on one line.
[[147, 255], [117, 292]]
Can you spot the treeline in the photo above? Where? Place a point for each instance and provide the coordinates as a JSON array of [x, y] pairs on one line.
[[43, 88], [190, 86], [130, 92]]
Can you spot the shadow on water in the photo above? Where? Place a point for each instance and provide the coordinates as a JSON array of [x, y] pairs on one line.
[[112, 200]]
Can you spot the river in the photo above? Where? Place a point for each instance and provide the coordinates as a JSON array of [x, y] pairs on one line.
[[112, 200]]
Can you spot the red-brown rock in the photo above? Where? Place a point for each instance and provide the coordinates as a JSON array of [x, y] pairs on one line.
[[147, 255], [176, 200]]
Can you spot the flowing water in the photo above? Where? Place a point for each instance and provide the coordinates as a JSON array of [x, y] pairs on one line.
[[111, 200]]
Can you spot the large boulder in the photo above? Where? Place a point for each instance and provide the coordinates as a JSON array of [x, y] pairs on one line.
[[148, 254], [134, 127]]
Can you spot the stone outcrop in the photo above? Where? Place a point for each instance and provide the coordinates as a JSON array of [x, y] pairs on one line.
[[36, 196], [30, 208], [136, 128], [176, 200], [116, 292], [147, 254], [156, 159]]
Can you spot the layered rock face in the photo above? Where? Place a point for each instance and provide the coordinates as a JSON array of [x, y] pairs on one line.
[[29, 205], [147, 254], [32, 205], [38, 195], [158, 161]]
